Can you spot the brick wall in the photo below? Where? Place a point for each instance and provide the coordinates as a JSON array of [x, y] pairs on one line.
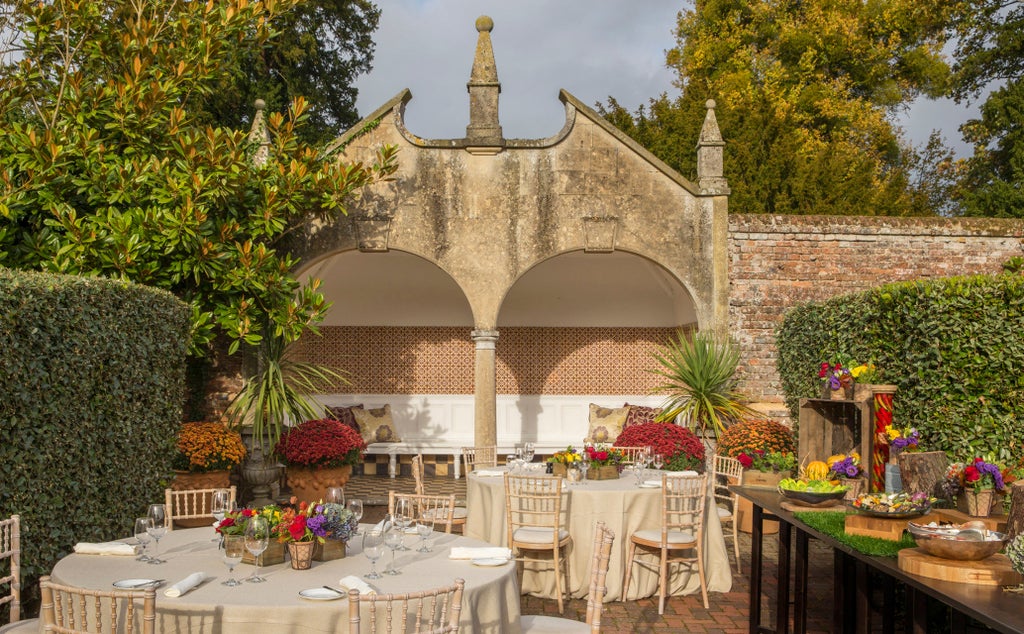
[[778, 261]]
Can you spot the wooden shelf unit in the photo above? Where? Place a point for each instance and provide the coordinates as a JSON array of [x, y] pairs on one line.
[[830, 427]]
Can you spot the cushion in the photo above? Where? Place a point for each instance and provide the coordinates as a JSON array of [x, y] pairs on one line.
[[376, 425], [640, 414], [606, 424], [345, 415]]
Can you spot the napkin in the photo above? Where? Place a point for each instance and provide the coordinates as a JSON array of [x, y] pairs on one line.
[[652, 483], [487, 552], [352, 582], [104, 548], [185, 585], [488, 472]]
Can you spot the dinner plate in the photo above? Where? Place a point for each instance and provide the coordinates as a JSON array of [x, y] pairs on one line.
[[320, 594], [490, 561], [135, 584]]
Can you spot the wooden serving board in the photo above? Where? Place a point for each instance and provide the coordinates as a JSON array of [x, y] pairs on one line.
[[880, 527], [991, 571], [833, 505]]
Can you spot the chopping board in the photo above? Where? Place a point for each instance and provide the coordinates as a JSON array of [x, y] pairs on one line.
[[991, 571], [880, 527]]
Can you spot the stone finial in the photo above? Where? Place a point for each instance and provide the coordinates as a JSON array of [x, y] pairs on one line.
[[710, 153], [484, 87], [258, 134]]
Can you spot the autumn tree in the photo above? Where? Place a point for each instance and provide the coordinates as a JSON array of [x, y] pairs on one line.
[[805, 93]]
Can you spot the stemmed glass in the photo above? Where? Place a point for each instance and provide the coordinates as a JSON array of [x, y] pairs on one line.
[[403, 517], [659, 461], [257, 538], [528, 452], [511, 462], [335, 495], [424, 527], [373, 548], [356, 506], [234, 548], [393, 539], [584, 467], [142, 525], [220, 504], [158, 515]]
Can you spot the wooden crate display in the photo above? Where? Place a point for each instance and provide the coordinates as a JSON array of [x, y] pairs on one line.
[[830, 427]]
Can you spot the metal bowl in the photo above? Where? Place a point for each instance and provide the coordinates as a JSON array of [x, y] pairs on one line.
[[964, 544], [809, 498]]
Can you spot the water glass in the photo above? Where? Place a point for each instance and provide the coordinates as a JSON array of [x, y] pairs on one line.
[[220, 505], [584, 468], [529, 451], [335, 495], [424, 527], [142, 525], [158, 515], [356, 506], [393, 539], [373, 548], [403, 517], [234, 549], [257, 538], [659, 461]]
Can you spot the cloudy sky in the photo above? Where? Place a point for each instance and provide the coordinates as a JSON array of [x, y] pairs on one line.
[[592, 48]]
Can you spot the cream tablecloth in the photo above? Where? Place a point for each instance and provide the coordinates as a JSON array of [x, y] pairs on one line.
[[625, 508], [490, 602]]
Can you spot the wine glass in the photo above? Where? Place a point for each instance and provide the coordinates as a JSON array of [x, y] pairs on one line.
[[373, 548], [403, 517], [335, 495], [584, 467], [158, 514], [257, 538], [511, 462], [220, 504], [356, 506], [424, 527], [234, 548], [659, 461], [529, 451], [142, 525], [393, 539]]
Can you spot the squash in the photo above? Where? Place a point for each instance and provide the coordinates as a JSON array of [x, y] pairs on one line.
[[834, 458], [816, 470]]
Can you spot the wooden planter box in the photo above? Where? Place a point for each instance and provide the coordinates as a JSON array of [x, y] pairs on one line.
[[763, 479], [607, 472], [329, 550], [274, 554]]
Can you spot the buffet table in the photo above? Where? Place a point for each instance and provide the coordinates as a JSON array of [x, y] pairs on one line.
[[490, 602], [624, 508]]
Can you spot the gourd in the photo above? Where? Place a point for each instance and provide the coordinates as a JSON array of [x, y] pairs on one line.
[[816, 470], [834, 458]]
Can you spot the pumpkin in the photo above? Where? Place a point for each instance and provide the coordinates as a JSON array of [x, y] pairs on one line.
[[816, 470], [834, 458]]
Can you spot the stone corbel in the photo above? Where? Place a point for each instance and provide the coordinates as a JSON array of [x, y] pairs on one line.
[[372, 233], [599, 233]]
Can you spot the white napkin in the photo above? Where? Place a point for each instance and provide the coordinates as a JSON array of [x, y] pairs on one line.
[[488, 472], [185, 585], [352, 582], [104, 548], [652, 483], [487, 552]]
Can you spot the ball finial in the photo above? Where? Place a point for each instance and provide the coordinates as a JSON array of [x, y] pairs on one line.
[[484, 23], [710, 104], [260, 104]]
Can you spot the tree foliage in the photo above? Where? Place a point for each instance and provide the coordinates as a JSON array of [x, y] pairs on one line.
[[106, 168], [804, 92]]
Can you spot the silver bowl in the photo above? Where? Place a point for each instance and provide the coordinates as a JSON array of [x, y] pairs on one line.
[[964, 544], [812, 498]]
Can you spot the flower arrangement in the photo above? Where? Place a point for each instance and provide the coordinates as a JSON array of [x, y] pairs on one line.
[[774, 461], [318, 443], [680, 446], [234, 522], [844, 466], [206, 447], [315, 522], [835, 375], [901, 439], [602, 456], [753, 435], [865, 373], [567, 457], [982, 475]]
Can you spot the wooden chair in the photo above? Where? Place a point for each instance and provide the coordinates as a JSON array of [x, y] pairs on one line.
[[190, 504], [629, 454], [10, 550], [434, 611], [533, 514], [71, 610], [728, 471], [682, 529], [483, 456], [438, 508], [603, 538], [459, 513]]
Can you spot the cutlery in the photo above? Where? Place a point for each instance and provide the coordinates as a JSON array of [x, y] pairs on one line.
[[336, 590], [146, 584]]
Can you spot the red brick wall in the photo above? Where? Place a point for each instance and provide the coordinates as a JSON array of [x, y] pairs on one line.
[[778, 261]]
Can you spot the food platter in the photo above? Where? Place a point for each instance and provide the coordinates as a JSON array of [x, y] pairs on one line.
[[896, 515], [892, 505]]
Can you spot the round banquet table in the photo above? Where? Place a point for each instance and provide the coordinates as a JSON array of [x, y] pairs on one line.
[[624, 508], [490, 602]]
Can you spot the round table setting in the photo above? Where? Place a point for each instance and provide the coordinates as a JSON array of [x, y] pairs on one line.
[[490, 601]]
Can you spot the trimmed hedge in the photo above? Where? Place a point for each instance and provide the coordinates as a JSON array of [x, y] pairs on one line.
[[954, 347], [91, 393]]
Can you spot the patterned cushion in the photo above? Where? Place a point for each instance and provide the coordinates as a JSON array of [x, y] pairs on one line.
[[640, 414], [345, 415], [376, 425], [605, 424]]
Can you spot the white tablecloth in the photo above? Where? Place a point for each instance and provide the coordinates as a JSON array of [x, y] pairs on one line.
[[490, 602], [625, 508]]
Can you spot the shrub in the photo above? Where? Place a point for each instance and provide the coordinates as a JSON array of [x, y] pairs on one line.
[[680, 446], [324, 442], [208, 447], [757, 435]]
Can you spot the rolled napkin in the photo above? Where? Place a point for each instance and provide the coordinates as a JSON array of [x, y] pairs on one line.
[[352, 582], [489, 472], [487, 552], [185, 585], [104, 548], [652, 483]]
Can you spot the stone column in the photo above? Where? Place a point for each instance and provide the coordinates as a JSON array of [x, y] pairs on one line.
[[485, 400]]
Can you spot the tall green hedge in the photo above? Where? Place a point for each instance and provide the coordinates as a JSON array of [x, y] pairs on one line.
[[954, 347], [91, 392]]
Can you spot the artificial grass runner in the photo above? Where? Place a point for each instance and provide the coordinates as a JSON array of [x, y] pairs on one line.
[[833, 524]]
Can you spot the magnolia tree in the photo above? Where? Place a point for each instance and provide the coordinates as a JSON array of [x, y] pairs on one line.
[[105, 168]]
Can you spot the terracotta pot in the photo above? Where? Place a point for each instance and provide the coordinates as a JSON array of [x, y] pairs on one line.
[[301, 554], [310, 485], [184, 480]]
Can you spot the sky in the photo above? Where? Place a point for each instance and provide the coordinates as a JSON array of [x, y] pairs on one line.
[[591, 48]]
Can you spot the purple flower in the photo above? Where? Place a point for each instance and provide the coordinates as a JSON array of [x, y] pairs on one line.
[[316, 524]]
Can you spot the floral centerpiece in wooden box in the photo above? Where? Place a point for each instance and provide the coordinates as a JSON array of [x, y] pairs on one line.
[[604, 462], [234, 523]]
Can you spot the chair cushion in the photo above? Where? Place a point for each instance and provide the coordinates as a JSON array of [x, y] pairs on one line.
[[537, 535], [605, 423], [540, 624], [376, 425], [723, 512], [25, 626], [674, 537]]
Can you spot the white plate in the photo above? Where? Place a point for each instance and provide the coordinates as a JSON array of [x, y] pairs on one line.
[[135, 584], [320, 594], [490, 561]]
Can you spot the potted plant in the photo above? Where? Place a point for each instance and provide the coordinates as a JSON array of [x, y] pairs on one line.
[[681, 448], [846, 469], [764, 469], [765, 438], [206, 454], [234, 524], [604, 462], [562, 461], [975, 485], [701, 383], [305, 527], [319, 453]]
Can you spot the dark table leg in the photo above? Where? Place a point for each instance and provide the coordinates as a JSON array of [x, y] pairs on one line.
[[800, 584], [782, 599], [756, 535], [888, 605], [863, 606]]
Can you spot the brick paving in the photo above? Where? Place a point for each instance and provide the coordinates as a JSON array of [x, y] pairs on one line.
[[727, 613]]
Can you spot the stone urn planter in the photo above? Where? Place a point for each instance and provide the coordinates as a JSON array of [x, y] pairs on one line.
[[310, 484]]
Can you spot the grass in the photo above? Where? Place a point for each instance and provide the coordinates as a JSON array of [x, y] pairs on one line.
[[833, 524]]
